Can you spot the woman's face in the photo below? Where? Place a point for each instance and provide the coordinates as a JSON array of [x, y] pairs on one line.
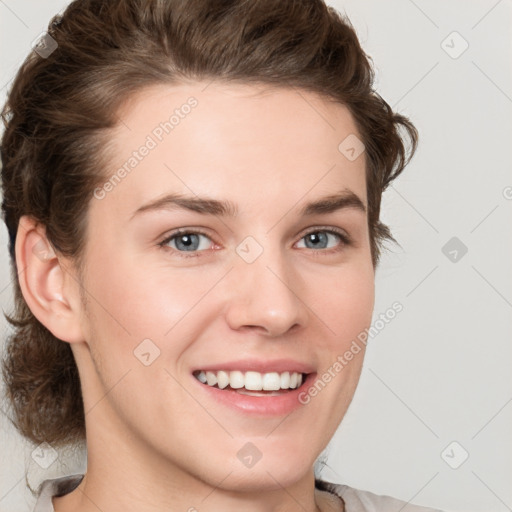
[[271, 274]]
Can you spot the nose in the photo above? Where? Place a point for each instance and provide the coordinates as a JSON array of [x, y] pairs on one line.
[[265, 297]]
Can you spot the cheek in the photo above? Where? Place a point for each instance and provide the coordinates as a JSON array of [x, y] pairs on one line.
[[143, 302], [343, 302], [133, 303], [356, 301]]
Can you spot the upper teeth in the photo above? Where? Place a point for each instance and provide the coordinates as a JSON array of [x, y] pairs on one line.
[[253, 381]]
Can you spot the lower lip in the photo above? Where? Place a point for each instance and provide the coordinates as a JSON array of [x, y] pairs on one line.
[[268, 405]]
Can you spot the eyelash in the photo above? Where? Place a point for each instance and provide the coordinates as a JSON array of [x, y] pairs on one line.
[[345, 241]]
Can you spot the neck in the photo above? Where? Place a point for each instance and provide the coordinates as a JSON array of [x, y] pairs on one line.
[[124, 476]]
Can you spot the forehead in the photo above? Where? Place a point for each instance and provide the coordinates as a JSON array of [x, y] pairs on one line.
[[248, 143]]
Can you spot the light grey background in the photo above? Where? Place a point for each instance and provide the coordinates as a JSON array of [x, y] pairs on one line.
[[440, 371]]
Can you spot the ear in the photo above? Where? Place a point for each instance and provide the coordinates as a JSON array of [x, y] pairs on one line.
[[49, 289]]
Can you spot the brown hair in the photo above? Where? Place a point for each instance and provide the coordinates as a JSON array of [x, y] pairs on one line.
[[62, 103]]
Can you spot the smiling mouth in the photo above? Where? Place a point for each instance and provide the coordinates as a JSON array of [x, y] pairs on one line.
[[251, 383]]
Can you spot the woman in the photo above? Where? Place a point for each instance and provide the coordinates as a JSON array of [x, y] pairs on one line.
[[192, 192]]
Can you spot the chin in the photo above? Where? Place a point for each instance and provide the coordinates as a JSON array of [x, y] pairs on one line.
[[267, 478], [261, 465]]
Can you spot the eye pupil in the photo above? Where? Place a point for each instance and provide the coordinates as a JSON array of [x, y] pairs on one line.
[[187, 242], [317, 239]]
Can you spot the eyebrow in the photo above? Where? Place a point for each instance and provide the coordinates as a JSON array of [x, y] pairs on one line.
[[346, 199]]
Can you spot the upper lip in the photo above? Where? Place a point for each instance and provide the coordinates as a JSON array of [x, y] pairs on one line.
[[259, 365]]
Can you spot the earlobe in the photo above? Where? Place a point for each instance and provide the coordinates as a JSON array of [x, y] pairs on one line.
[[42, 279]]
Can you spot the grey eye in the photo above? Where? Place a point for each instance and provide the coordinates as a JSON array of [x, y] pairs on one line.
[[320, 240], [188, 242]]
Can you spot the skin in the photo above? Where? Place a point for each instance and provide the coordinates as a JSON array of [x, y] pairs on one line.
[[155, 442]]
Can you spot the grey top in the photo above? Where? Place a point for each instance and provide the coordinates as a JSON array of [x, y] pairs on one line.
[[355, 500]]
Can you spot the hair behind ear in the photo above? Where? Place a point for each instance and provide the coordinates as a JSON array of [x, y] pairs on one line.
[[32, 384]]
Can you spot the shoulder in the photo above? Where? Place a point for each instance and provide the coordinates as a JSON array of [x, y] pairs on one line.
[[357, 500], [55, 487]]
